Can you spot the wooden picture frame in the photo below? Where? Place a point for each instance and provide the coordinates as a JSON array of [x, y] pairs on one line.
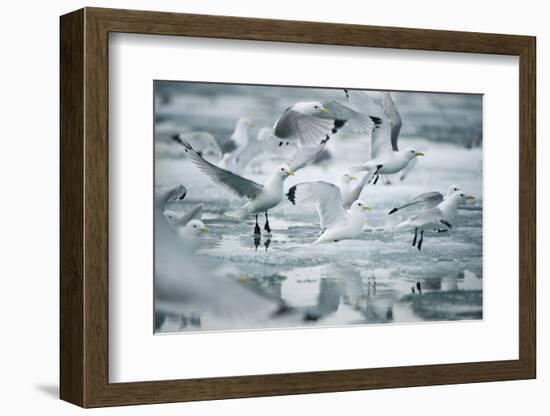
[[84, 207]]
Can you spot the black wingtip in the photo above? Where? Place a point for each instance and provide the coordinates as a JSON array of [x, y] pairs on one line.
[[376, 120], [291, 195], [338, 124], [346, 92], [394, 210]]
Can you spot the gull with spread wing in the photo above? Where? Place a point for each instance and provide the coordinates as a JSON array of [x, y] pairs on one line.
[[336, 223], [385, 157], [436, 219], [427, 200], [261, 198]]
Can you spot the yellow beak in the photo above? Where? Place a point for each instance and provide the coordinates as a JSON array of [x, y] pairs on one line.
[[290, 173], [353, 178], [419, 154], [204, 229], [470, 198], [252, 125], [366, 209], [323, 110]]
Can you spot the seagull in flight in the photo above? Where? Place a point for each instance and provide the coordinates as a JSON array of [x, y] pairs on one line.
[[261, 198], [306, 124], [385, 158], [336, 223]]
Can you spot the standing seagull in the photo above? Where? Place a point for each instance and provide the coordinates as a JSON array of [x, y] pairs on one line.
[[385, 157], [261, 198], [336, 223], [427, 199], [436, 218]]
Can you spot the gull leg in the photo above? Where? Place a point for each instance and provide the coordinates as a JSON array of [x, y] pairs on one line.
[[415, 235], [257, 230], [266, 226], [421, 240]]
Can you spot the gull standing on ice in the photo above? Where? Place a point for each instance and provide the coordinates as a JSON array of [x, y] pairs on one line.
[[427, 200], [336, 223], [261, 198], [385, 157], [437, 218]]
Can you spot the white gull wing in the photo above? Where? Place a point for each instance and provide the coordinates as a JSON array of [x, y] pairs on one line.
[[241, 186], [181, 219], [255, 147], [177, 193], [348, 119], [395, 118], [308, 130], [427, 199], [324, 196], [381, 133], [355, 192], [305, 155]]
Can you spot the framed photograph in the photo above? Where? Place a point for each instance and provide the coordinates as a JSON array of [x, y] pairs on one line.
[[256, 207]]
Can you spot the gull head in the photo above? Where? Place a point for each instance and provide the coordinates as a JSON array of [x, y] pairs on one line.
[[411, 153], [452, 189], [460, 196], [195, 228], [310, 108], [359, 206], [244, 123], [284, 171]]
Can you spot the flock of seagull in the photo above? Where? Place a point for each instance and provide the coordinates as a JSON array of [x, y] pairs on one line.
[[306, 127], [299, 137]]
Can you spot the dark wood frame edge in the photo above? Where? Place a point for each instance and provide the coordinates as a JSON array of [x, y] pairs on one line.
[[84, 207]]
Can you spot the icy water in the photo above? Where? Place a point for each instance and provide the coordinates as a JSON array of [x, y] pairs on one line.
[[373, 279]]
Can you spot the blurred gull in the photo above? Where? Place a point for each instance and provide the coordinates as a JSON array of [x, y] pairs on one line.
[[187, 285], [385, 156], [260, 197], [187, 225], [268, 149], [437, 218], [179, 217], [203, 142], [336, 223], [239, 140]]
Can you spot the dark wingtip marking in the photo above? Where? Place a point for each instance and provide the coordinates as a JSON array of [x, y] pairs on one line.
[[182, 197], [291, 194], [338, 124], [394, 210], [346, 92], [376, 120], [326, 139]]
